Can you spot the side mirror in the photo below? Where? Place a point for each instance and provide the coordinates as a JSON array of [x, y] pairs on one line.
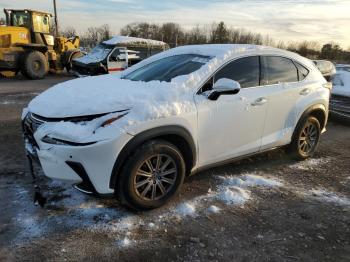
[[224, 86]]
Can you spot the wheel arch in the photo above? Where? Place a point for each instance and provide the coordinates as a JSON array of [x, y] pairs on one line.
[[318, 111], [177, 135]]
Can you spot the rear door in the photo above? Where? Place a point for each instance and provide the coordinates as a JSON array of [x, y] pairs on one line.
[[232, 125], [282, 90]]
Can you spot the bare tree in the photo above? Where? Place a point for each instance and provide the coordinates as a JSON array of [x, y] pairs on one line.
[[219, 33], [104, 32], [196, 36], [69, 32], [172, 34], [281, 45]]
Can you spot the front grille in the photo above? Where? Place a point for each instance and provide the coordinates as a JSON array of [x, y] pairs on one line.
[[82, 70], [30, 124]]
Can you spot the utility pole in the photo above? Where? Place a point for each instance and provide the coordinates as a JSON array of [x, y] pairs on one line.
[[56, 20]]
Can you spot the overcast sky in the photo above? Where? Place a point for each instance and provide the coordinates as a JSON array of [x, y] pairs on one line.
[[297, 20]]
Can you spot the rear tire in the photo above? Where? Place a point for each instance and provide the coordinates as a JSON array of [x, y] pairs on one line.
[[151, 176], [34, 65], [305, 138]]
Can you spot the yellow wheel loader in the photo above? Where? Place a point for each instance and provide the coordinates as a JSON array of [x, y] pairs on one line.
[[28, 46]]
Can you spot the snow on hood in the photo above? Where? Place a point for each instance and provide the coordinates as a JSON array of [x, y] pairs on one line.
[[98, 95], [96, 55], [341, 83]]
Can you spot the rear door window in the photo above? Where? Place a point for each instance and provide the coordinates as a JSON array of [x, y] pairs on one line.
[[246, 71], [279, 70]]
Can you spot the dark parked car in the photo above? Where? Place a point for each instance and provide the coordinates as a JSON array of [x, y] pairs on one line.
[[340, 100]]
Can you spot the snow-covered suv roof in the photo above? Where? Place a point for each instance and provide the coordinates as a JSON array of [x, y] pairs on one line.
[[127, 40], [226, 50], [219, 54]]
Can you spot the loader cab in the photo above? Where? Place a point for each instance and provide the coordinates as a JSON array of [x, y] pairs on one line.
[[38, 23]]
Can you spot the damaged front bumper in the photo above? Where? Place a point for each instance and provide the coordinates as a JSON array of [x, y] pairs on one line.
[[87, 166]]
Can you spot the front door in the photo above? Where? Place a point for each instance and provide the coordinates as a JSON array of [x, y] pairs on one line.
[[232, 126], [117, 60]]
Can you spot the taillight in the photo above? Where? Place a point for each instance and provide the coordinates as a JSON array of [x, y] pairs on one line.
[[328, 85]]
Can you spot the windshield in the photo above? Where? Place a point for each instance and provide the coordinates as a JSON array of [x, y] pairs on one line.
[[99, 52], [168, 68], [21, 19]]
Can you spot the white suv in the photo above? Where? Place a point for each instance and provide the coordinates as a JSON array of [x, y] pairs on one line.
[[140, 133]]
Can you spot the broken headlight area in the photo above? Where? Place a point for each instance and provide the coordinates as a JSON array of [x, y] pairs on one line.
[[56, 141], [79, 131]]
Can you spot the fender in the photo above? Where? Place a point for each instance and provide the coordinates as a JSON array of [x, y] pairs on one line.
[[310, 110], [317, 107], [147, 135]]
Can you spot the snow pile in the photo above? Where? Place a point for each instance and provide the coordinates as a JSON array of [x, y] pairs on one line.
[[186, 209], [251, 180], [341, 83], [119, 39], [125, 242], [330, 197], [234, 196], [213, 209], [234, 190], [310, 163]]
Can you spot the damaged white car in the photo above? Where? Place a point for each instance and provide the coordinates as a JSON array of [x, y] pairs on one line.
[[138, 134]]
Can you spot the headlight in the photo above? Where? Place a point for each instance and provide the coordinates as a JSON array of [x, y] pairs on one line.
[[56, 141], [112, 119]]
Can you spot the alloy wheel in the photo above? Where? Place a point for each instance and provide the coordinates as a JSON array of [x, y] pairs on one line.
[[308, 138], [155, 177]]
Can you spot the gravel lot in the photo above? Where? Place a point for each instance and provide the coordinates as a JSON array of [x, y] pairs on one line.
[[266, 208]]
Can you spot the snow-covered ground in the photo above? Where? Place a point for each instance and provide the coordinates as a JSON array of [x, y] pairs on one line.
[[330, 197], [311, 163]]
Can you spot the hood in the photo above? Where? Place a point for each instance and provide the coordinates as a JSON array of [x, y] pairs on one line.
[[99, 95], [89, 59]]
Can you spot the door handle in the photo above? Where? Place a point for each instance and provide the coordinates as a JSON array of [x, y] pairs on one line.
[[305, 91], [260, 101]]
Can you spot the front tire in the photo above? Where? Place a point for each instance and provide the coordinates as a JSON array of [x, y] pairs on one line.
[[34, 65], [151, 176], [305, 138]]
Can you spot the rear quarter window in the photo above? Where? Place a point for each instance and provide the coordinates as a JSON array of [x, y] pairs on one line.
[[302, 71], [279, 70]]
